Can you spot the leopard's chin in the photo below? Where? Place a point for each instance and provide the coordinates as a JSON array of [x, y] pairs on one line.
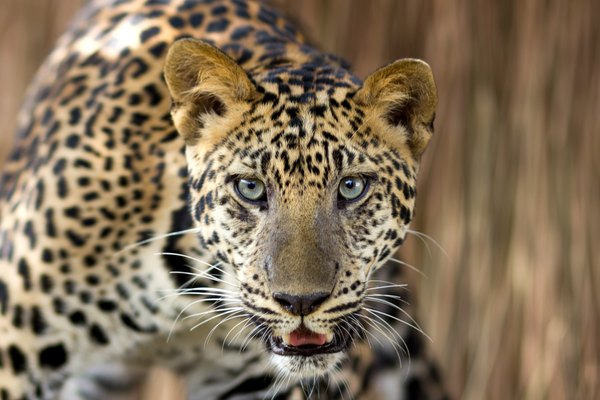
[[303, 367]]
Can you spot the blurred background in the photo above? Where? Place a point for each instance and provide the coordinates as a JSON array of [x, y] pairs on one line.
[[509, 187]]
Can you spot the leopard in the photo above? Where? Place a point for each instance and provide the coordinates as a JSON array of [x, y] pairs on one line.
[[195, 186]]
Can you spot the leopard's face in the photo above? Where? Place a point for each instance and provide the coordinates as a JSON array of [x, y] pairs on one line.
[[301, 197]]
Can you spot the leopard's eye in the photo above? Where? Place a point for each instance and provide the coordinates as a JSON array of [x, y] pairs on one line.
[[352, 187], [251, 189]]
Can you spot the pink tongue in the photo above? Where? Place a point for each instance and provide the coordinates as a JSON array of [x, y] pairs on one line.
[[303, 336]]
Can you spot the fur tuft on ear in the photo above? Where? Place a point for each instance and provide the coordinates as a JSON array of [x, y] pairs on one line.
[[403, 94], [202, 80]]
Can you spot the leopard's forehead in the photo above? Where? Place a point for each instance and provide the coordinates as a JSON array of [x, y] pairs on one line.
[[320, 78], [305, 129]]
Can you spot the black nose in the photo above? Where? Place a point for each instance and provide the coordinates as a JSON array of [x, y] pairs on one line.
[[300, 304]]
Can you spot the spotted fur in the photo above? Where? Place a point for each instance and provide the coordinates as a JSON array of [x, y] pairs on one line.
[[114, 152]]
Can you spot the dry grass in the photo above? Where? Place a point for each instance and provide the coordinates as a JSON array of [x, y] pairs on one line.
[[510, 186]]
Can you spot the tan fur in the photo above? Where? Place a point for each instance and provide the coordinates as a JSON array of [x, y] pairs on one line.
[[198, 73], [405, 86]]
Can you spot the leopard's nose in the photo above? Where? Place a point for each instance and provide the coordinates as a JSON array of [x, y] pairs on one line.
[[300, 305]]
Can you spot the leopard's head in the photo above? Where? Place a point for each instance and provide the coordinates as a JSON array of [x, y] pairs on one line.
[[302, 183]]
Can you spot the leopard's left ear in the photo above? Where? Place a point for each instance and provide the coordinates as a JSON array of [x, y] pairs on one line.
[[403, 95], [203, 81]]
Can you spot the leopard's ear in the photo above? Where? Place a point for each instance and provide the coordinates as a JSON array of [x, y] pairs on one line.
[[403, 96], [203, 81]]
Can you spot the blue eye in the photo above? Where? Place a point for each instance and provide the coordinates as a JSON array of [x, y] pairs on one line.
[[352, 187], [251, 189]]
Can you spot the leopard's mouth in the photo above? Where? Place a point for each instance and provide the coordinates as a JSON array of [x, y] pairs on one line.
[[304, 342]]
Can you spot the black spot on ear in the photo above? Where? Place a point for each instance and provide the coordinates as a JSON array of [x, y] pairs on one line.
[[211, 103], [400, 114]]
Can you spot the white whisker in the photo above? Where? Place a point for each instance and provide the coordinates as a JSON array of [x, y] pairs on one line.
[[212, 318], [220, 310], [422, 236], [166, 235], [212, 266], [376, 325], [246, 323], [389, 296], [210, 278], [395, 285], [410, 266], [413, 325], [195, 302], [233, 316]]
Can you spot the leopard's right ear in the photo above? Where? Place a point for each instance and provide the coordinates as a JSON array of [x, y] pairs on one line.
[[203, 81]]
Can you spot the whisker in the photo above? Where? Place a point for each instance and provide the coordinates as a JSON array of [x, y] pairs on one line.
[[222, 294], [204, 289], [255, 330], [404, 348], [424, 236], [412, 320], [212, 298], [152, 239], [183, 311], [384, 324], [213, 317], [412, 267], [415, 326], [376, 325], [386, 282], [283, 379], [221, 310], [388, 286], [229, 318], [339, 377], [363, 329], [210, 278], [390, 296], [246, 324], [368, 320], [345, 327], [212, 266], [249, 337]]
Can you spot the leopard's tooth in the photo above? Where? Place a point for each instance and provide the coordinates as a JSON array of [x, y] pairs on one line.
[[285, 338], [329, 337]]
